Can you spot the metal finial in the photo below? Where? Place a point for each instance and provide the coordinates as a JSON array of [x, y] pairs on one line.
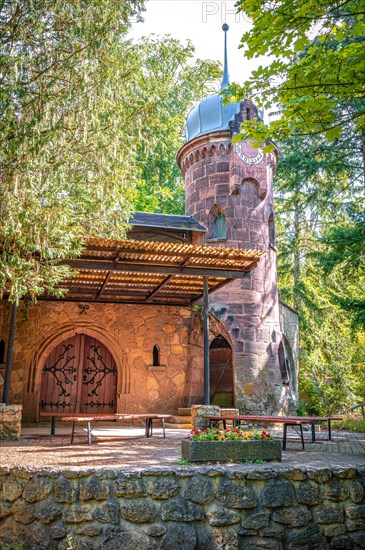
[[225, 78]]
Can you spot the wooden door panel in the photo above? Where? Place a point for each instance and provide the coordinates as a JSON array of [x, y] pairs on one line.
[[99, 378], [60, 378], [79, 376]]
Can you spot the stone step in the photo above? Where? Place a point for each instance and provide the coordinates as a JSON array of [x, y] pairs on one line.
[[177, 419], [178, 426], [184, 411]]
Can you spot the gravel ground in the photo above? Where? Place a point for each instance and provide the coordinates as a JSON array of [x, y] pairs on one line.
[[128, 448]]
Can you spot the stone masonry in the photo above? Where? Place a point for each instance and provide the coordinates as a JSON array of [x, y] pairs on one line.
[[218, 180], [184, 508], [129, 332]]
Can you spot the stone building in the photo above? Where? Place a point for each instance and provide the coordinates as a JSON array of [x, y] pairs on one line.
[[130, 339]]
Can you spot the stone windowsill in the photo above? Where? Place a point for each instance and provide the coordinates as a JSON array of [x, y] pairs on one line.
[[156, 368], [219, 240]]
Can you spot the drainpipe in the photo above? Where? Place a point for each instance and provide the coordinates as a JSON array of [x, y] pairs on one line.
[[206, 343]]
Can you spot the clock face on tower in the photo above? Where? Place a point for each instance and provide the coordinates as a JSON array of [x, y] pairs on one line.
[[249, 160]]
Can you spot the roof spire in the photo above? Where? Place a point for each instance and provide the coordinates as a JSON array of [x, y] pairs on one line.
[[225, 78]]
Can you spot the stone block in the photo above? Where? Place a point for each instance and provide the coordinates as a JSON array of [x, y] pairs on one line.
[[129, 487], [10, 421], [199, 489], [179, 536], [278, 493], [256, 520], [236, 494], [217, 515], [295, 517], [127, 540], [178, 509], [356, 491], [308, 493], [11, 489], [37, 488], [329, 514], [107, 512], [64, 490], [163, 487], [335, 490], [94, 489], [197, 411], [341, 542], [320, 475], [307, 538], [139, 511], [47, 511]]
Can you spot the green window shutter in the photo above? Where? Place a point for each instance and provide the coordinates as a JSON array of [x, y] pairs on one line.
[[220, 227]]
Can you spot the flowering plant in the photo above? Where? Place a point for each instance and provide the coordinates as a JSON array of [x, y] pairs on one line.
[[229, 434]]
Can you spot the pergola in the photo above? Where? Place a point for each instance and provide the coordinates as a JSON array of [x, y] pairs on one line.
[[150, 273]]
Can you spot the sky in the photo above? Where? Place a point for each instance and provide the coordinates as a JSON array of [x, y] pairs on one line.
[[201, 22]]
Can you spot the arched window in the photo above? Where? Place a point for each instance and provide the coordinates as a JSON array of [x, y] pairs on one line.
[[217, 225], [220, 226], [2, 351], [156, 356]]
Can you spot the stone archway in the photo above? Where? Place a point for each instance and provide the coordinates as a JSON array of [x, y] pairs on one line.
[[32, 387], [221, 372], [79, 376]]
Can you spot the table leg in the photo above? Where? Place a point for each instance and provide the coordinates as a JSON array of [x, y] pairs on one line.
[[329, 431], [53, 426], [163, 426], [224, 424], [147, 427], [89, 433], [284, 436], [73, 432], [313, 432], [301, 435]]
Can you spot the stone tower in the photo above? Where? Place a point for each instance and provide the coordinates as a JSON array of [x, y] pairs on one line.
[[229, 190]]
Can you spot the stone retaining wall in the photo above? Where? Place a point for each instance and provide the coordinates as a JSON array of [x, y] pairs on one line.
[[185, 508]]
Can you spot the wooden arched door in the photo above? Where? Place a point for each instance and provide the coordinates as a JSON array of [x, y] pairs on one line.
[[79, 376], [221, 373]]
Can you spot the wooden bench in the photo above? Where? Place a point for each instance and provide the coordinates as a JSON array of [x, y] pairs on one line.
[[285, 420], [88, 419]]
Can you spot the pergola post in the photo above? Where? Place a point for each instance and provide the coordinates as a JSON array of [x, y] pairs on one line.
[[9, 355], [206, 342]]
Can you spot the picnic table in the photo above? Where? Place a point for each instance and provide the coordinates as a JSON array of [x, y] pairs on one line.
[[285, 420], [92, 419]]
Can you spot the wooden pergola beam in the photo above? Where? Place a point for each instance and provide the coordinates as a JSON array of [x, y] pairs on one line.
[[171, 253], [95, 265]]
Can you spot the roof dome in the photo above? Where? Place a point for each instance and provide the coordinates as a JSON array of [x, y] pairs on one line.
[[210, 115]]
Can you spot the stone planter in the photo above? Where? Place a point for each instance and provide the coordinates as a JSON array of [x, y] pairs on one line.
[[231, 451]]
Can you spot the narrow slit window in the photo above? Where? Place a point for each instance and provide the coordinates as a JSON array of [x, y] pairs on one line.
[[156, 356], [220, 227]]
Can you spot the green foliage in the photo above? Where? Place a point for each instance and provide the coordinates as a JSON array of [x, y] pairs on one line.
[[90, 127], [172, 82], [67, 121], [316, 79], [353, 425], [317, 186]]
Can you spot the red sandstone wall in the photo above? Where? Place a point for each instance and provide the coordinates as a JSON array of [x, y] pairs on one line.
[[249, 309], [129, 332]]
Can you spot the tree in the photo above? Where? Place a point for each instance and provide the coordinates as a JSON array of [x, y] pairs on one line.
[[172, 83], [316, 187], [67, 119], [317, 75]]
